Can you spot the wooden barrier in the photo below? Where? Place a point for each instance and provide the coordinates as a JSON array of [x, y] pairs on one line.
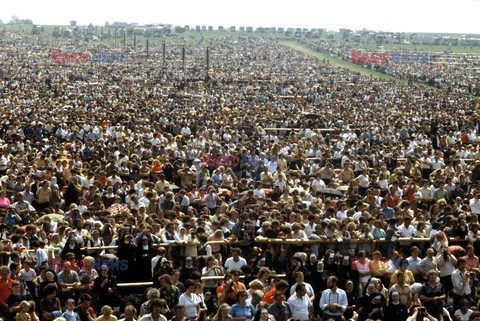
[[264, 240], [330, 130], [204, 278]]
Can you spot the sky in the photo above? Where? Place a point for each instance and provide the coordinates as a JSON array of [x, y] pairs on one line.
[[446, 16]]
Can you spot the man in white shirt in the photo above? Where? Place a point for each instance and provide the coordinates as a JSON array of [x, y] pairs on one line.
[[475, 204], [300, 305], [426, 191], [414, 261], [333, 301], [300, 278], [462, 282], [236, 261], [406, 229], [310, 227], [40, 255]]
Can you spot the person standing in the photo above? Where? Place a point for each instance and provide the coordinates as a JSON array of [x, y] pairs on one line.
[[300, 304], [333, 301], [462, 282], [280, 309]]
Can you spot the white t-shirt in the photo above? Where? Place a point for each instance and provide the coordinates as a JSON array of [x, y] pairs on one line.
[[190, 304], [230, 264], [28, 276], [465, 316], [299, 306]]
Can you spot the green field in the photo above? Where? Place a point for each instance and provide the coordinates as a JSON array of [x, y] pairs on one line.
[[339, 62], [425, 48]]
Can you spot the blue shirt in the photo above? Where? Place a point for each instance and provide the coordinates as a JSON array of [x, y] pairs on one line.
[[242, 311], [388, 212]]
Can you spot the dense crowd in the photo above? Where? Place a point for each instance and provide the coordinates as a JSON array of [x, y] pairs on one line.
[[103, 187], [452, 72]]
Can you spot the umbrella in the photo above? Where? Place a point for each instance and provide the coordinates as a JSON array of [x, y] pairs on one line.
[[330, 191], [53, 217], [311, 116]]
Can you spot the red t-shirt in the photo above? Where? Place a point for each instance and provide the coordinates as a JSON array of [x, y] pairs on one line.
[[269, 297], [5, 289]]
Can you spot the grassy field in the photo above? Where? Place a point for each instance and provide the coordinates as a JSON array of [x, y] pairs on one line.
[[339, 62], [424, 48]]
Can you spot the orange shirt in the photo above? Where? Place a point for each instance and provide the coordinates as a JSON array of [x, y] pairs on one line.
[[410, 193], [5, 289], [269, 297], [232, 294], [392, 201]]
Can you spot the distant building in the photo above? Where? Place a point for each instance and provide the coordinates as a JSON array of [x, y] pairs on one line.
[[249, 29], [242, 29], [120, 24], [198, 28], [233, 29], [210, 28], [179, 29], [73, 23], [220, 28]]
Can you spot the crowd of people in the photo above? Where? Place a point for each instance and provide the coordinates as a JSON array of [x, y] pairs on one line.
[[452, 72], [355, 198]]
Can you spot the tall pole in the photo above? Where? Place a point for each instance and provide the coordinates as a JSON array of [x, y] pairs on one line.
[[115, 37], [147, 48], [124, 39], [208, 61], [183, 57], [134, 42], [164, 51]]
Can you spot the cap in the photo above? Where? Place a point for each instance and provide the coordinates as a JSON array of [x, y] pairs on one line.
[[189, 258], [104, 267], [264, 311]]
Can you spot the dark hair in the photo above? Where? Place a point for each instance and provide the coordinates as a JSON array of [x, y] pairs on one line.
[[300, 287], [155, 303], [178, 307], [85, 297], [49, 289], [189, 283], [240, 293]]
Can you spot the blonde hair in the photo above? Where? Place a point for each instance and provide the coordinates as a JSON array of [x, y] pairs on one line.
[[24, 304], [256, 285], [106, 308], [218, 315]]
